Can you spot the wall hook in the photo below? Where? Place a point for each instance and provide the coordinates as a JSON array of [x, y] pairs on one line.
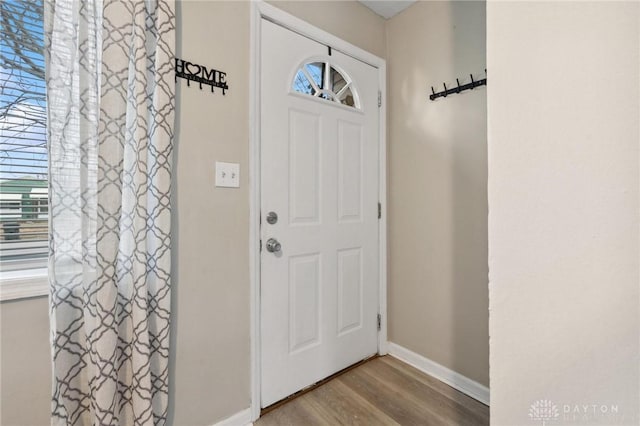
[[459, 88]]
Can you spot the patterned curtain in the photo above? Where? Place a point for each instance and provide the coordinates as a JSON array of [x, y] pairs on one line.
[[110, 95]]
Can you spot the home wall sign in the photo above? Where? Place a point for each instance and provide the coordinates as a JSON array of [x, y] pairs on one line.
[[201, 75]]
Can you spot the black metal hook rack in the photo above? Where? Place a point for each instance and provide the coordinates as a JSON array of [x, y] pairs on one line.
[[459, 88]]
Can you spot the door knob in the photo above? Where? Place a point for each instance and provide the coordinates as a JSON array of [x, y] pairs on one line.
[[273, 245]]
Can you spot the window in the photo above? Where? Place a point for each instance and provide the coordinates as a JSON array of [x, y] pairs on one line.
[[23, 148], [322, 80]]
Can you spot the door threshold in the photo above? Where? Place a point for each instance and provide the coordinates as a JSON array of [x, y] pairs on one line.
[[315, 385]]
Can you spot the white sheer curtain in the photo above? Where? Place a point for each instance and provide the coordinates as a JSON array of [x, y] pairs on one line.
[[110, 94]]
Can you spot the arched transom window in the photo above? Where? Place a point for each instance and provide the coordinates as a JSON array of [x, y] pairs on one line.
[[322, 80]]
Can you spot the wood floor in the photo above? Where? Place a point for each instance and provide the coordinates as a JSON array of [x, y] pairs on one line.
[[383, 391]]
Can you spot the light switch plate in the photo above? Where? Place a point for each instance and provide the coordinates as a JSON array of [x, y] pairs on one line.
[[227, 175]]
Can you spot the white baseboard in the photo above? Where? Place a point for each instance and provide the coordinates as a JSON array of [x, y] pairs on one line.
[[242, 418], [456, 380]]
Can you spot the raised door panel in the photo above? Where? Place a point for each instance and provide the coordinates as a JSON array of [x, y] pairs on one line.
[[349, 290], [349, 172], [304, 302], [304, 168]]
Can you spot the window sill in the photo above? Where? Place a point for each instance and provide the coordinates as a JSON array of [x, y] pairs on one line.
[[22, 284]]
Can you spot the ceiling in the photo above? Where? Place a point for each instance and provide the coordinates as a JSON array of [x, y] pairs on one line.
[[387, 8]]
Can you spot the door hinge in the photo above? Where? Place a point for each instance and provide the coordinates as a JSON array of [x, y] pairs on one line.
[[379, 210], [379, 322], [379, 98]]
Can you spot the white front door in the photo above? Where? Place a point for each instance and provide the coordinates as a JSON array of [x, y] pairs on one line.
[[320, 177]]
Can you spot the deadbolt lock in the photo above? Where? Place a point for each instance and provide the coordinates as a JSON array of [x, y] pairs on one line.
[[272, 218]]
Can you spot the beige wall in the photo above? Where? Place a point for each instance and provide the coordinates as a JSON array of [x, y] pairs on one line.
[[210, 374], [348, 20], [564, 108], [438, 301], [25, 366]]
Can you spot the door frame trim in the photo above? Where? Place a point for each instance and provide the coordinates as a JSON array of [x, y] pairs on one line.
[[260, 10]]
